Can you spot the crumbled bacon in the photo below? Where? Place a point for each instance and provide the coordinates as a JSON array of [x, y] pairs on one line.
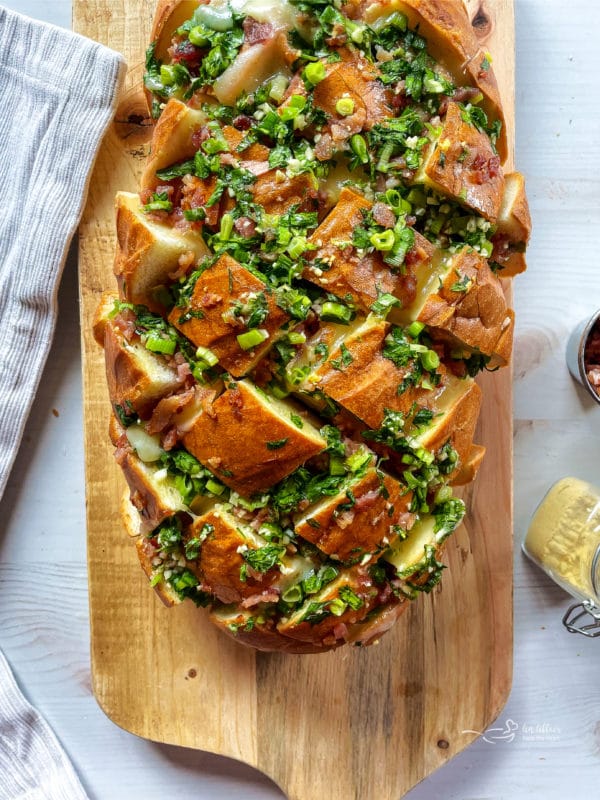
[[210, 300], [167, 408], [185, 261], [170, 439], [125, 321], [123, 449], [367, 500], [242, 122], [383, 215], [484, 169], [199, 136], [324, 148], [146, 196], [345, 519], [214, 462], [245, 226], [268, 596], [256, 32], [184, 52], [236, 401]]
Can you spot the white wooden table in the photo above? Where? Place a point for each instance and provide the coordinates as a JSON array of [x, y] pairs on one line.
[[555, 702]]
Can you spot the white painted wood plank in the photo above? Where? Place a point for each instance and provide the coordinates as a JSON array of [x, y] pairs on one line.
[[43, 605]]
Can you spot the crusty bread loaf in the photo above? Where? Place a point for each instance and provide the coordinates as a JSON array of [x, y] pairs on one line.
[[308, 283]]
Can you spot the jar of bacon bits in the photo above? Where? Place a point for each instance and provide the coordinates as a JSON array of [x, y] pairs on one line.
[[583, 355]]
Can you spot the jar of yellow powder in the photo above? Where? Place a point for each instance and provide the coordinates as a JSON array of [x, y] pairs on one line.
[[564, 540]]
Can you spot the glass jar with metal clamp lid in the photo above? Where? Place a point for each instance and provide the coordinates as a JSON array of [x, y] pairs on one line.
[[564, 540]]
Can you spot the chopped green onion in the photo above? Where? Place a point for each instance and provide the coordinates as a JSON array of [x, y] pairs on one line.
[[336, 466], [314, 73], [252, 338], [292, 595], [297, 246], [383, 241], [293, 109], [195, 214], [336, 312], [384, 303], [295, 337], [430, 360], [214, 487], [158, 344], [415, 329], [345, 106], [207, 355], [226, 227], [395, 20], [337, 607], [278, 87], [158, 205], [168, 75], [443, 494], [197, 37], [359, 148], [278, 391]]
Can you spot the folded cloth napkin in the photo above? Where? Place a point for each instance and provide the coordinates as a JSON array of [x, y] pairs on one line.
[[58, 94], [33, 765]]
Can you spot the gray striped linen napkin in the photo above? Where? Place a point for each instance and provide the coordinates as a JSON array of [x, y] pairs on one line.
[[58, 94]]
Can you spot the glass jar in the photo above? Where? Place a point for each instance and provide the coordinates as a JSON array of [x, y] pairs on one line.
[[564, 540]]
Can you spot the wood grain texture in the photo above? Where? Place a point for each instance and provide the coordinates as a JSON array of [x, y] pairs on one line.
[[351, 724]]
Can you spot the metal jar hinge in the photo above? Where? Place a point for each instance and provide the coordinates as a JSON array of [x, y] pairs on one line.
[[576, 616]]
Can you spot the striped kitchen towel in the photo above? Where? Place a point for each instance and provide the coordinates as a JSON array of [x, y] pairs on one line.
[[58, 94]]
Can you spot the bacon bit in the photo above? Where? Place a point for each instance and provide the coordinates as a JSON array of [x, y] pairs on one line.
[[501, 252], [385, 594], [167, 408], [245, 226], [593, 377], [324, 149], [125, 321], [256, 167], [399, 102], [122, 450], [187, 53], [383, 215], [242, 123], [165, 189], [340, 631], [210, 300], [214, 462], [484, 169], [465, 94], [185, 261], [236, 401], [228, 160], [170, 439], [406, 520], [367, 500], [256, 32], [262, 516], [199, 136], [206, 404], [268, 596], [345, 519]]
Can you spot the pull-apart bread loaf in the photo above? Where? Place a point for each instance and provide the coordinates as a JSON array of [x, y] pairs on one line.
[[308, 283]]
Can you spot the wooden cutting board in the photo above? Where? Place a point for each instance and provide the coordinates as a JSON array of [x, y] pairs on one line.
[[357, 723]]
